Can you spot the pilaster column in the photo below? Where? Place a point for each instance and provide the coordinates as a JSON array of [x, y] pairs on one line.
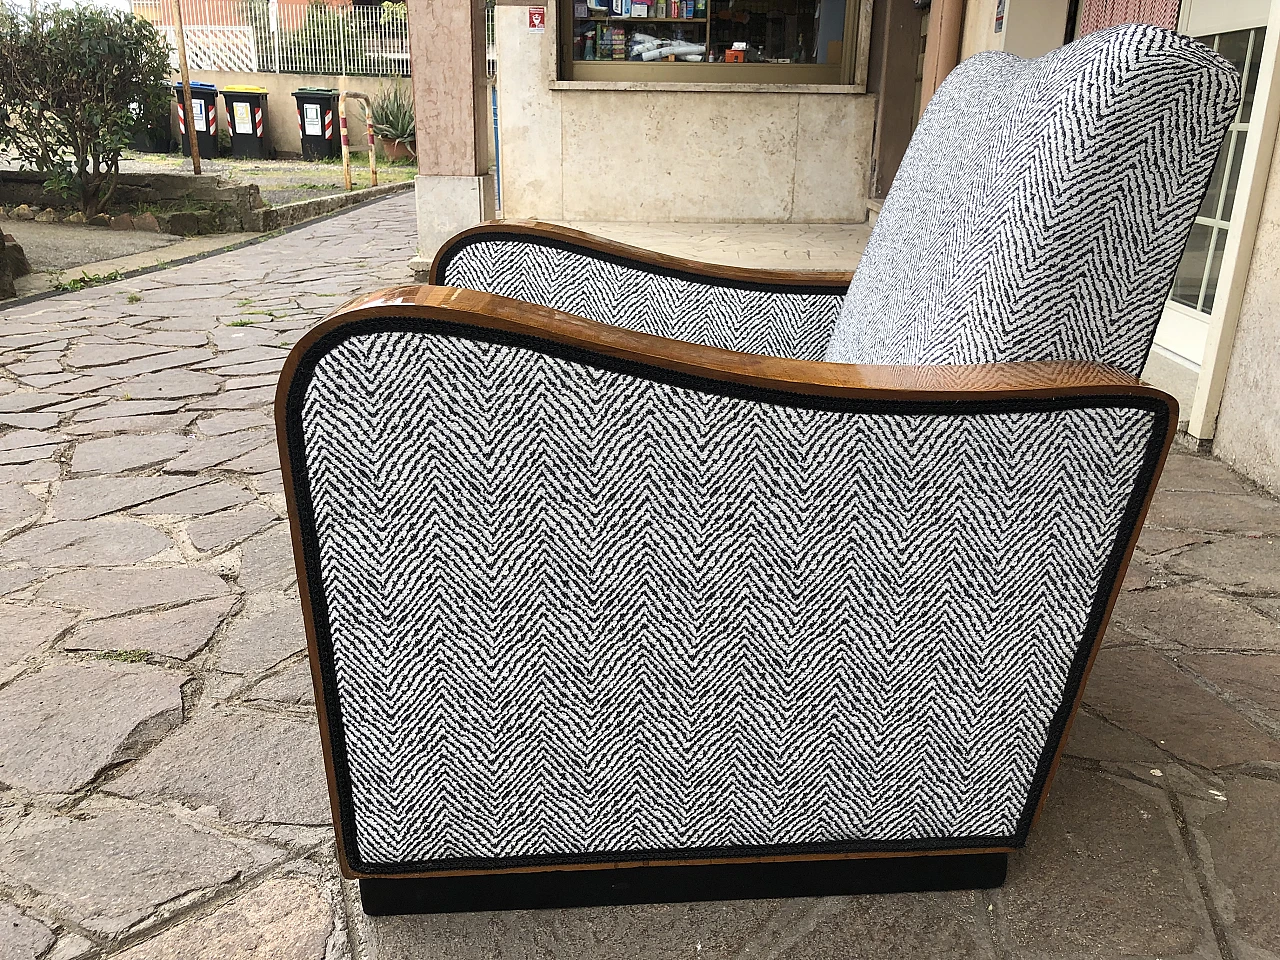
[[450, 92]]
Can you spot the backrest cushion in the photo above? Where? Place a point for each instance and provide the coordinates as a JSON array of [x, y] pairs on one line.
[[1042, 206]]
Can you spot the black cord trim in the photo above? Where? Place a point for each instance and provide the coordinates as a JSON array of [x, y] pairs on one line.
[[301, 380]]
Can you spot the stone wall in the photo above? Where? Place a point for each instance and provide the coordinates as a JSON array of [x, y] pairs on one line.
[[1248, 432], [698, 153]]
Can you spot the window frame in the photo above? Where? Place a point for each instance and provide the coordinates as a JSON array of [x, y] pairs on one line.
[[850, 72]]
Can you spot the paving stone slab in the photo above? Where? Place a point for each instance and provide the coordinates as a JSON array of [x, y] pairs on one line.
[[245, 354], [1141, 691], [28, 454], [168, 360], [1254, 679], [179, 633], [159, 423], [201, 500], [231, 399], [94, 496], [240, 338], [263, 460], [894, 927], [293, 686], [128, 452], [269, 630], [1154, 540], [1103, 875], [22, 938], [17, 506], [266, 561], [128, 408], [86, 354], [1195, 617], [167, 384], [234, 422], [262, 367], [115, 864], [1243, 564], [30, 421], [1184, 471], [110, 591], [290, 918], [252, 383], [253, 767], [15, 578], [26, 400], [1241, 840], [1215, 512], [61, 727], [1094, 739], [85, 543], [25, 439], [27, 630], [228, 527], [210, 453]]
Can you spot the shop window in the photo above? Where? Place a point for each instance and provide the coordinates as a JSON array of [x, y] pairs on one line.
[[712, 41], [1196, 284]]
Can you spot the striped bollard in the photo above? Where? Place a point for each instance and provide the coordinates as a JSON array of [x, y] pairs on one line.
[[346, 146]]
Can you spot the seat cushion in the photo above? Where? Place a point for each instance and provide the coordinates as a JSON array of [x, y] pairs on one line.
[[1042, 206]]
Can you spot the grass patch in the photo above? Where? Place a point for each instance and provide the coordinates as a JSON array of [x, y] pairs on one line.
[[244, 303], [242, 323], [134, 298], [85, 280], [125, 656]]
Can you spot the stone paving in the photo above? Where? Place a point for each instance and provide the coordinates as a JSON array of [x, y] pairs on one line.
[[163, 794]]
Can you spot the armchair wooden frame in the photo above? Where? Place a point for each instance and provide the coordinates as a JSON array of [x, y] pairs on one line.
[[993, 387]]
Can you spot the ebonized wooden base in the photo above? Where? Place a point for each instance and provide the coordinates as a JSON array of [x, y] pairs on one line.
[[681, 883]]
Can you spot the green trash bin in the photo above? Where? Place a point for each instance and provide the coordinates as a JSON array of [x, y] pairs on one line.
[[247, 121], [318, 122], [204, 106]]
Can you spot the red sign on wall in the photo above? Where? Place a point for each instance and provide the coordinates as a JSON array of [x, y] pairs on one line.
[[537, 19]]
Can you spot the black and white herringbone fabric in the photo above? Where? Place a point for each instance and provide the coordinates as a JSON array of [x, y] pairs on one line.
[[733, 317], [577, 610], [1043, 205]]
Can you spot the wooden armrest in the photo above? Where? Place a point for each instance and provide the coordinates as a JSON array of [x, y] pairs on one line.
[[826, 282], [994, 381]]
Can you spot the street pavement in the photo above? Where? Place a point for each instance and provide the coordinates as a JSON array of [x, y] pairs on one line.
[[162, 788]]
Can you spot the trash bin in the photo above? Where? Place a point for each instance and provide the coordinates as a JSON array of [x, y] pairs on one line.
[[204, 107], [247, 120], [318, 122]]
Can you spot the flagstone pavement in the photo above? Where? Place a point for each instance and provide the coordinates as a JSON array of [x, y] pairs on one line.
[[161, 788]]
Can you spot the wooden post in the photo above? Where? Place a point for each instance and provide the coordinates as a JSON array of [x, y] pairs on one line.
[[941, 46], [186, 88], [346, 145]]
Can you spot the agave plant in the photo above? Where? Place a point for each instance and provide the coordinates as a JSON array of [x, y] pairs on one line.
[[393, 118]]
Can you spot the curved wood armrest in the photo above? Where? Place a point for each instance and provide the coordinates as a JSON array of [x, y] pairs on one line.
[[828, 282], [997, 381]]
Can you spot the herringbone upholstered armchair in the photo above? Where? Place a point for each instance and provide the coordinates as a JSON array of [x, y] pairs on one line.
[[629, 577]]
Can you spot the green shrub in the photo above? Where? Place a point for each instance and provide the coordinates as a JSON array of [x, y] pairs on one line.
[[75, 83], [393, 117]]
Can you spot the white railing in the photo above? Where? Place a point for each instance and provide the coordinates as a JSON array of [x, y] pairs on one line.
[[288, 37]]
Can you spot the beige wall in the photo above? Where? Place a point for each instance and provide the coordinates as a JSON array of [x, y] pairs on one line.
[[1031, 27], [282, 115], [634, 154], [1248, 434]]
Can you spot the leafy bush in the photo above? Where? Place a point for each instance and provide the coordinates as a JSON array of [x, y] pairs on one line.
[[75, 83], [393, 117]]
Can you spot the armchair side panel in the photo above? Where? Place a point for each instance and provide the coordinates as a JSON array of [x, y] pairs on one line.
[[767, 313], [567, 608]]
